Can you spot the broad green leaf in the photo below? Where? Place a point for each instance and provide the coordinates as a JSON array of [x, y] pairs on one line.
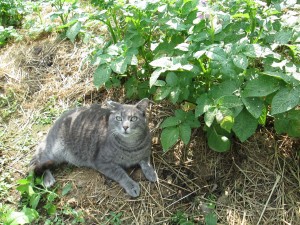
[[227, 69], [160, 83], [168, 63], [217, 54], [169, 137], [73, 31], [183, 47], [288, 123], [191, 120], [254, 105], [172, 79], [23, 181], [102, 59], [188, 7], [51, 196], [210, 115], [31, 214], [101, 75], [51, 208], [170, 122], [119, 65], [114, 50], [16, 218], [66, 189], [185, 133], [211, 219], [34, 200], [283, 36], [225, 88], [240, 61], [216, 142], [198, 54], [176, 24], [279, 74], [135, 40], [261, 86], [155, 75], [202, 105], [229, 101], [26, 216], [131, 59], [174, 94], [253, 51], [227, 123], [263, 118], [284, 100], [244, 125], [180, 114], [162, 93]]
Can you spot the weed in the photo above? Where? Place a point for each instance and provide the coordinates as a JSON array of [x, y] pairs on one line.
[[11, 13], [180, 218], [49, 112], [8, 105], [114, 218], [37, 204]]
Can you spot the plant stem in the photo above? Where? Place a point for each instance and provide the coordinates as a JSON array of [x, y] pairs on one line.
[[111, 31]]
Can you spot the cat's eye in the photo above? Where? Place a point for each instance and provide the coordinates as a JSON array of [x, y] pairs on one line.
[[133, 119], [118, 118]]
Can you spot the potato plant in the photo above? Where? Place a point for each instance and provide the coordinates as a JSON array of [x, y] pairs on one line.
[[235, 63]]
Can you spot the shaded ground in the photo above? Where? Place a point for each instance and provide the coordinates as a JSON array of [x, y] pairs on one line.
[[257, 182]]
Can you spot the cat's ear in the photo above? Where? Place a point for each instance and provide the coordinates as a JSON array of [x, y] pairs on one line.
[[143, 104], [113, 105]]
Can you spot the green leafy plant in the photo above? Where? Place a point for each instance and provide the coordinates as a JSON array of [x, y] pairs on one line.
[[114, 218], [39, 204], [181, 218], [11, 217], [49, 113], [8, 104], [11, 15], [7, 34], [11, 12], [235, 62], [72, 18], [210, 217], [32, 195], [178, 126]]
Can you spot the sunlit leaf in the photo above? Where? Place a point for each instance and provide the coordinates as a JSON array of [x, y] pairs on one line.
[[102, 75], [73, 31]]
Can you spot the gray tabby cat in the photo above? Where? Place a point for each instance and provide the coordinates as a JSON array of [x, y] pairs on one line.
[[105, 139]]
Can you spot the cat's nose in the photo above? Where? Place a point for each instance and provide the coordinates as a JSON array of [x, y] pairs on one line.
[[125, 127]]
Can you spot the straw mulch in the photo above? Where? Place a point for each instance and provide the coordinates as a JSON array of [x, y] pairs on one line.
[[257, 182]]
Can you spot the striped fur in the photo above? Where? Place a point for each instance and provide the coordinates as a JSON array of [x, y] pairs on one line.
[[106, 139]]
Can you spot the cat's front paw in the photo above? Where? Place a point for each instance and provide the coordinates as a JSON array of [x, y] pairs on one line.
[[132, 188], [150, 174], [148, 171]]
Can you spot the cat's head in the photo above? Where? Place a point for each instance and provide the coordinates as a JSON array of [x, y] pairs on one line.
[[128, 120]]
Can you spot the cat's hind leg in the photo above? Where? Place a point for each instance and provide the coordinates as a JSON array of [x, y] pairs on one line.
[[48, 179], [41, 163]]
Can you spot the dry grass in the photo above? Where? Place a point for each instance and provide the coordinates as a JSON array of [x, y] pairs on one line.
[[257, 182]]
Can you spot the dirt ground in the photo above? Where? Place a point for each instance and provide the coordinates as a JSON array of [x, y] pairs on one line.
[[256, 182]]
